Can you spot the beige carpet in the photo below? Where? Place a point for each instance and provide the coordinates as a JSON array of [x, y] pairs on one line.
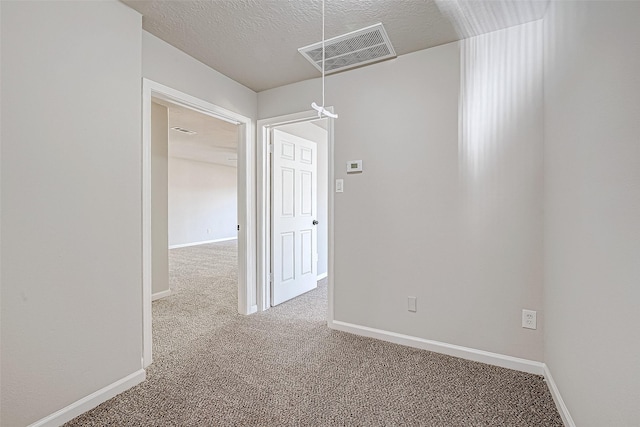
[[284, 367]]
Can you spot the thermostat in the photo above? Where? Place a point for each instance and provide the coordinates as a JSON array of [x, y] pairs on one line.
[[354, 166]]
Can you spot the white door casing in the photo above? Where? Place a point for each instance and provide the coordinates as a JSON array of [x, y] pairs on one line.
[[294, 214], [247, 215]]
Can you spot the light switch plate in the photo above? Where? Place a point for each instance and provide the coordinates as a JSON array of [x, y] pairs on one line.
[[339, 185], [412, 304]]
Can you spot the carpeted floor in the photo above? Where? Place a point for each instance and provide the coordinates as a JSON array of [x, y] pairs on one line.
[[284, 367]]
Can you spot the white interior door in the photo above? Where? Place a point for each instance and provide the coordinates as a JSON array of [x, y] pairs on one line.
[[293, 215]]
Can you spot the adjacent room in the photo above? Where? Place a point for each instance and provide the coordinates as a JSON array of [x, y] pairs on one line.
[[194, 184], [320, 212], [193, 219]]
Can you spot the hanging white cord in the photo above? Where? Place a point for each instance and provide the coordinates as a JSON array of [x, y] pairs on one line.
[[320, 109], [323, 54]]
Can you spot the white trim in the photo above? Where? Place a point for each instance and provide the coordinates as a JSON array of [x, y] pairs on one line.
[[91, 401], [204, 242], [322, 276], [330, 229], [161, 294], [246, 219], [147, 289], [504, 361], [555, 393], [263, 192], [246, 201], [264, 215]]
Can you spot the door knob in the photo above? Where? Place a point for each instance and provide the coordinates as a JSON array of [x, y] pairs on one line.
[[315, 222]]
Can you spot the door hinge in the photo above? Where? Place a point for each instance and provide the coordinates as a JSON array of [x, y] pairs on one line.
[[270, 277], [238, 227], [271, 148]]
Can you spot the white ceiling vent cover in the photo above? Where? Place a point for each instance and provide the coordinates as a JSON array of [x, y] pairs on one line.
[[351, 50]]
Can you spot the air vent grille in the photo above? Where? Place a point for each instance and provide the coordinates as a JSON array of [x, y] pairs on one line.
[[351, 50]]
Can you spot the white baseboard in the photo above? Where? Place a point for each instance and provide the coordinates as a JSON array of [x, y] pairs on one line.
[[555, 393], [160, 294], [322, 276], [509, 362], [89, 402], [204, 242]]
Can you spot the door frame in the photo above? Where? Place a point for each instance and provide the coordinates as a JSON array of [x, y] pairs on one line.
[[264, 205], [246, 201]]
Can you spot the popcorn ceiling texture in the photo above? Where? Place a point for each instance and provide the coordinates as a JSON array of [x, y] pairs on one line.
[[284, 367], [255, 42]]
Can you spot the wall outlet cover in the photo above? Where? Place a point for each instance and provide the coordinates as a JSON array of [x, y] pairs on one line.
[[529, 320]]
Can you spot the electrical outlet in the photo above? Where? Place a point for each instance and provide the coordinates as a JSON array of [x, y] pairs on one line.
[[529, 319], [412, 304]]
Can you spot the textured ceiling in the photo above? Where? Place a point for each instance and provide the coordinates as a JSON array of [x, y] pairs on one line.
[[215, 141], [255, 42]]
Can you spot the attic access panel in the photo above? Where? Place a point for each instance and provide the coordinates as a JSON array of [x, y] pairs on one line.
[[354, 49]]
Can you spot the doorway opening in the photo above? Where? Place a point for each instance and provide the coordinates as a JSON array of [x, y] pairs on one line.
[[194, 186], [155, 94], [287, 148]]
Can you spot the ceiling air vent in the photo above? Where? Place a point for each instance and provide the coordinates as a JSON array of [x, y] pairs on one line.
[[357, 48]]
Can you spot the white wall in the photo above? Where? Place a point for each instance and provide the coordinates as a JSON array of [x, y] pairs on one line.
[[71, 206], [407, 225], [169, 66], [592, 209], [500, 166], [202, 202], [159, 198], [318, 135]]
